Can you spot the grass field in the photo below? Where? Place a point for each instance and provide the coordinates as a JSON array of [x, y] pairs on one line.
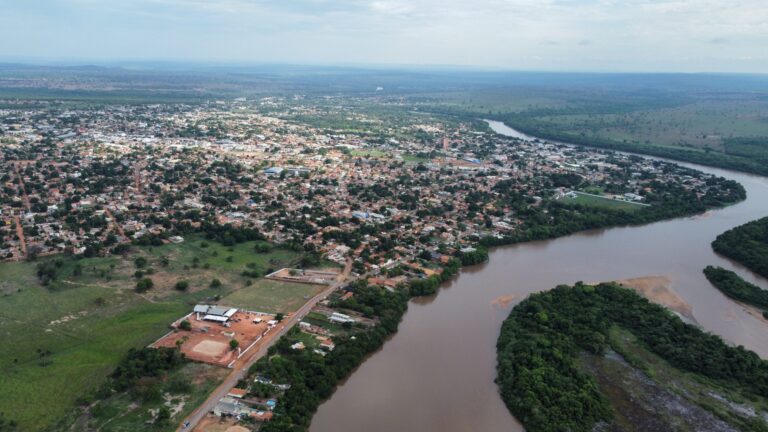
[[60, 342], [266, 295], [596, 201], [370, 153], [61, 345]]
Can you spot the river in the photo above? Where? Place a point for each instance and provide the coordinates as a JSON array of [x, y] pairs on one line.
[[436, 374]]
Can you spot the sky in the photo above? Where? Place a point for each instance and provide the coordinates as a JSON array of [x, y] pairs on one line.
[[541, 35]]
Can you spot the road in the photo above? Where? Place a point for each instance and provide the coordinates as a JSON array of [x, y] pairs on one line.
[[24, 195], [115, 223], [20, 235], [241, 367]]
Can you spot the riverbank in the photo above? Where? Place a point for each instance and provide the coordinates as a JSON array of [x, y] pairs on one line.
[[682, 154], [564, 220], [658, 289], [437, 373]]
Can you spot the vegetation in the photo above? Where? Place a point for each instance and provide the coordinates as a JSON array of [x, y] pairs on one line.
[[155, 403], [145, 362], [272, 296], [528, 125], [314, 377], [555, 219], [144, 285], [539, 374], [737, 288], [747, 244], [583, 199], [68, 335]]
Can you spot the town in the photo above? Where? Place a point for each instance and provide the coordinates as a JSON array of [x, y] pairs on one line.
[[294, 229]]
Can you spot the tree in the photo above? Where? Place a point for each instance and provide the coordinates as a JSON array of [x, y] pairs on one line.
[[262, 248], [233, 344], [185, 325], [163, 416], [215, 283], [182, 285], [144, 285], [279, 317], [140, 262]]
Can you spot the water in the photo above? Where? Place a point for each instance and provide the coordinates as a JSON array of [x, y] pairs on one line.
[[436, 374]]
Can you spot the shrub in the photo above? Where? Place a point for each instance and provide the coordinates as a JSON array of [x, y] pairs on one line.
[[144, 285]]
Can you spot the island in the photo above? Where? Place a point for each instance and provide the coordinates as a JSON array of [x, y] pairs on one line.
[[601, 357]]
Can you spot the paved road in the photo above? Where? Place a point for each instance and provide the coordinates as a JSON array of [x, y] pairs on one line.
[[241, 367]]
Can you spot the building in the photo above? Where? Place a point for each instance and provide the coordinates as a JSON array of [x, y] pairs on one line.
[[219, 314]]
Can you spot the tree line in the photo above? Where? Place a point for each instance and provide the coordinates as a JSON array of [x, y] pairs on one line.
[[747, 244], [732, 285], [312, 377]]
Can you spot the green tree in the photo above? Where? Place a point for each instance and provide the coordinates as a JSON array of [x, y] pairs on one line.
[[144, 285]]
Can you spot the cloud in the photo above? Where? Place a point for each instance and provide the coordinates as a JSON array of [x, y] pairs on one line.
[[609, 34]]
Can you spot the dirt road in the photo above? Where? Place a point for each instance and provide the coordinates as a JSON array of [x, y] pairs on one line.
[[240, 369], [20, 235]]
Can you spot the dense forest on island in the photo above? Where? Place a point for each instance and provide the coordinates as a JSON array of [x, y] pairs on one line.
[[746, 244], [544, 341], [737, 288]]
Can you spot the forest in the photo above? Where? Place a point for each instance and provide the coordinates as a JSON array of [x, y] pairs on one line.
[[538, 351], [746, 244], [737, 288]]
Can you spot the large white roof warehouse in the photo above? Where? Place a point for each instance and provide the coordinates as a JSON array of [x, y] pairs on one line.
[[215, 313]]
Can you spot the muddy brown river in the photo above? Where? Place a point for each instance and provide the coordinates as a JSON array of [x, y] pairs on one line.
[[436, 374]]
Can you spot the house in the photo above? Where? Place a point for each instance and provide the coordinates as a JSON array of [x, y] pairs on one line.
[[340, 318], [237, 393]]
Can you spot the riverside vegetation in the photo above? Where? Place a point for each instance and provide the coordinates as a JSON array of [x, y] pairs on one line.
[[747, 244], [313, 377], [737, 288], [558, 353]]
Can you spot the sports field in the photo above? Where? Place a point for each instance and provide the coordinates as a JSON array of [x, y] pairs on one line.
[[604, 202]]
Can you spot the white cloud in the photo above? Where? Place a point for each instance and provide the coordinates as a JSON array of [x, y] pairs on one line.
[[549, 34]]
